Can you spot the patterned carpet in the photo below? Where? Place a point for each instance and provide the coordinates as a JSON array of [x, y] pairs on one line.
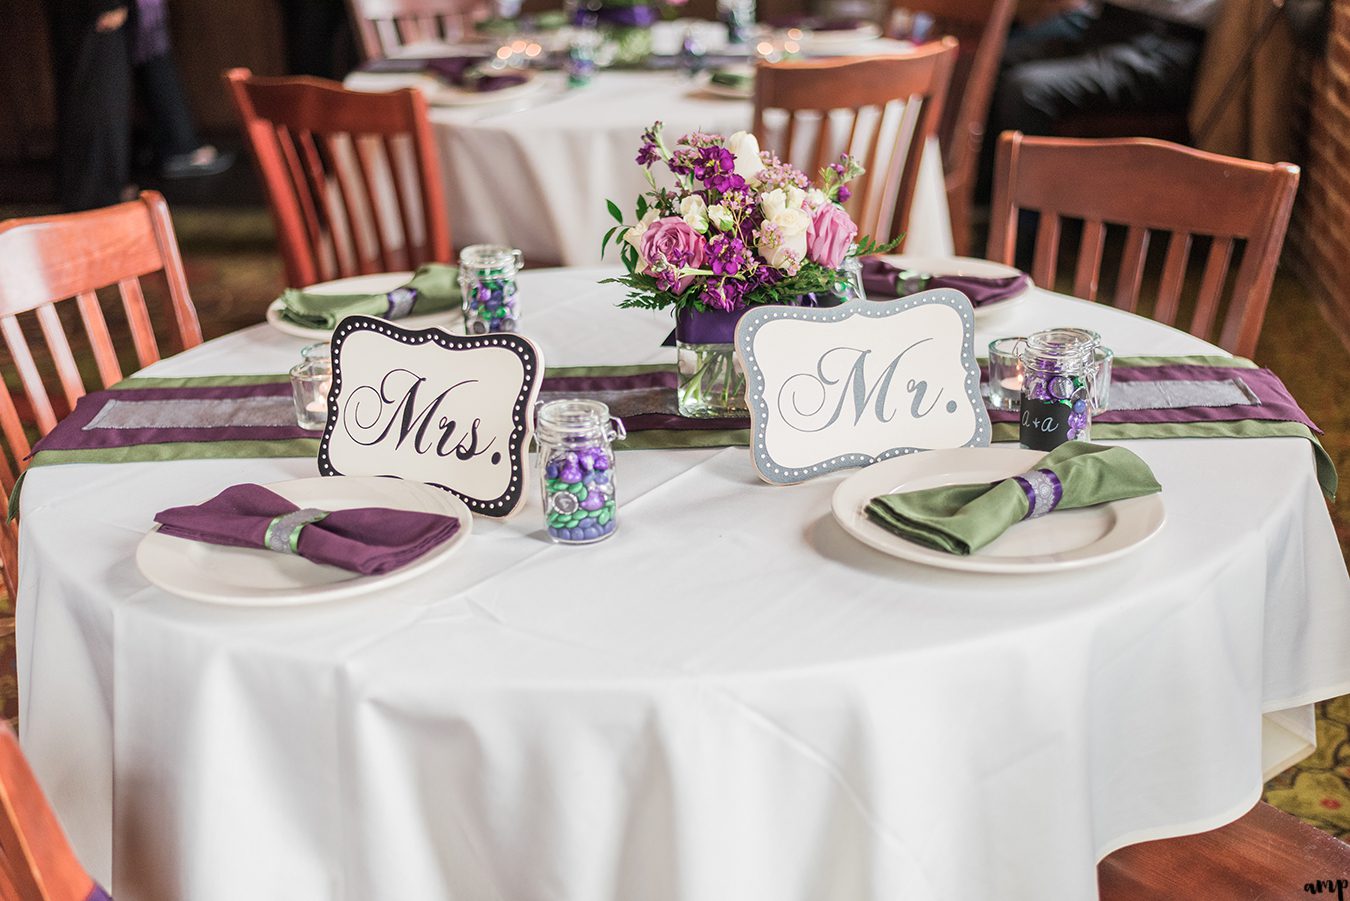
[[234, 272]]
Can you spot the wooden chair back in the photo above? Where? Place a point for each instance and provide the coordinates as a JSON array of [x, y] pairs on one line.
[[981, 27], [48, 259], [383, 26], [36, 863], [353, 178], [864, 100], [1150, 186]]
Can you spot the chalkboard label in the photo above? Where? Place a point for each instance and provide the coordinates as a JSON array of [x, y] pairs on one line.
[[1045, 423]]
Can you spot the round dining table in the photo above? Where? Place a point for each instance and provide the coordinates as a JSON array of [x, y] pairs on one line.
[[731, 698], [533, 171]]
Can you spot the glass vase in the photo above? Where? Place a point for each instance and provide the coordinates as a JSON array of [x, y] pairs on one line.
[[630, 45], [711, 383]]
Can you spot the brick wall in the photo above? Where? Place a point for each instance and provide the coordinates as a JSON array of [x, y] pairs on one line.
[[1320, 236]]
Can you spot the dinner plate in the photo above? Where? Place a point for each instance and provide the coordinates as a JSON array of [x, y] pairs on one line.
[[248, 577], [707, 86], [449, 95], [821, 41], [965, 266], [1066, 539], [378, 283]]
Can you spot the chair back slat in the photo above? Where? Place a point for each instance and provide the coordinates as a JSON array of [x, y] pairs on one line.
[[96, 327], [49, 260], [1155, 186], [138, 319], [34, 388], [1131, 274], [38, 861], [981, 26], [344, 200], [384, 26], [1047, 250], [1212, 283], [839, 94], [1173, 278], [1088, 270], [67, 370]]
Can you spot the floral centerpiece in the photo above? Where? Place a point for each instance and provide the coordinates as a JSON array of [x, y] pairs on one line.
[[739, 229], [625, 24]]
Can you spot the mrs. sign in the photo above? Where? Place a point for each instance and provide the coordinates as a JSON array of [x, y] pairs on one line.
[[432, 407], [849, 385]]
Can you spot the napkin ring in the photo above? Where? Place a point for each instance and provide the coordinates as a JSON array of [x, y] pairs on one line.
[[283, 532], [401, 301], [1044, 491]]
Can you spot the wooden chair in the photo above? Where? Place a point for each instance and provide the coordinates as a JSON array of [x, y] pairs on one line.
[[36, 863], [1150, 186], [1265, 854], [353, 179], [47, 259], [870, 96], [383, 26], [981, 26]]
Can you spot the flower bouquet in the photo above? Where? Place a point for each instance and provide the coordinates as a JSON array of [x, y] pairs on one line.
[[624, 24], [740, 228]]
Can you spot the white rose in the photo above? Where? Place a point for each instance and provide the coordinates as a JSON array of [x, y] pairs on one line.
[[694, 211], [786, 253], [634, 234], [784, 209], [745, 148], [815, 199], [721, 217]]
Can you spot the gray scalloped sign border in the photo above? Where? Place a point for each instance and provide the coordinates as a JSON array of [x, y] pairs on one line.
[[753, 321]]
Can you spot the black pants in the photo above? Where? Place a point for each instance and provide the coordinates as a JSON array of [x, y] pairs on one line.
[[93, 107], [171, 130], [1114, 60]]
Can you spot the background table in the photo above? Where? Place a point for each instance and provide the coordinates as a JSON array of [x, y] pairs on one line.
[[729, 699], [534, 173]]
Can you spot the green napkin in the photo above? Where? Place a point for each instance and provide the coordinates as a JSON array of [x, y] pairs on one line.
[[736, 79], [436, 284], [960, 519]]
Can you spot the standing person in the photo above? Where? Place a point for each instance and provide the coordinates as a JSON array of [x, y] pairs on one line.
[[1124, 55], [318, 38], [180, 152], [91, 63]]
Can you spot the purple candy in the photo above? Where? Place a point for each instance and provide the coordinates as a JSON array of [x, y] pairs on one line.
[[593, 501]]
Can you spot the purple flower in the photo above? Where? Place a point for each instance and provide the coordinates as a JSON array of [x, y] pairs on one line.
[[668, 246], [726, 254], [716, 168], [843, 194]]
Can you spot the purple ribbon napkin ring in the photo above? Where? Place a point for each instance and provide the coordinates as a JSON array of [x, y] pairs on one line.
[[283, 532], [401, 302], [1044, 491]]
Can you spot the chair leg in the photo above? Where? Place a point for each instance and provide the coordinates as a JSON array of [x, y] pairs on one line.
[[958, 210]]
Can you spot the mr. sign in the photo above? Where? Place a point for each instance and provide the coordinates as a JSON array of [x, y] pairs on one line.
[[847, 386]]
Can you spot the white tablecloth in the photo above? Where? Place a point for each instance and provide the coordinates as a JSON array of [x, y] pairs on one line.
[[731, 699], [535, 173]]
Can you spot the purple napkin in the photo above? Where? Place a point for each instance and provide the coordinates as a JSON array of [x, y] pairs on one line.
[[367, 540], [456, 70], [883, 279]]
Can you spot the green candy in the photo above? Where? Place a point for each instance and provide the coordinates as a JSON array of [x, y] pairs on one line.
[[603, 516]]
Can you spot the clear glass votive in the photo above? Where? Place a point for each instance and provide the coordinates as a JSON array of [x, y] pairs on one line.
[[320, 351], [1005, 373], [1100, 395], [310, 382]]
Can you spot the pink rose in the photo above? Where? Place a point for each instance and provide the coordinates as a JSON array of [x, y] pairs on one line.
[[830, 236], [669, 245]]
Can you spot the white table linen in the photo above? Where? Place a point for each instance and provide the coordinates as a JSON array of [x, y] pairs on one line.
[[730, 699], [535, 173]]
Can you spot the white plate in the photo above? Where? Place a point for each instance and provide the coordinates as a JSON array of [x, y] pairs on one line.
[[964, 266], [378, 283], [819, 41], [254, 578], [448, 95], [1063, 540]]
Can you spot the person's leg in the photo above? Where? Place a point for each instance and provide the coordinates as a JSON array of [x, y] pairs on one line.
[[171, 124], [93, 97], [1059, 35]]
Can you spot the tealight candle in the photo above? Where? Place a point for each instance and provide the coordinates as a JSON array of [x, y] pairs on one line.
[[310, 382]]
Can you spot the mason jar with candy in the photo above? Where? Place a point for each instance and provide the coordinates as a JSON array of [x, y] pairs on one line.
[[576, 468], [1057, 371], [487, 282]]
